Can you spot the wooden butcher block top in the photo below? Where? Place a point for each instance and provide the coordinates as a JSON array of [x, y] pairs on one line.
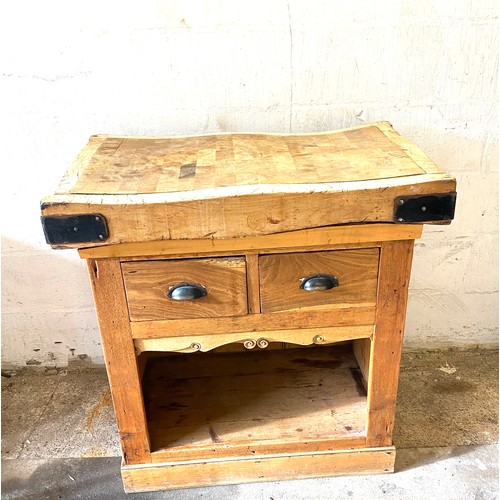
[[131, 189]]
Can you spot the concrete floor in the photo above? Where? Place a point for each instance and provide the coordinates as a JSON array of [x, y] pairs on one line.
[[59, 438]]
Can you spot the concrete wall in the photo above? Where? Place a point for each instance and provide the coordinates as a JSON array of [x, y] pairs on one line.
[[71, 69]]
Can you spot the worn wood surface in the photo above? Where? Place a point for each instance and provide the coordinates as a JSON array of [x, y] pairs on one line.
[[385, 354], [255, 340], [260, 468], [281, 276], [148, 282], [303, 240], [265, 448], [271, 183], [122, 165], [284, 320], [227, 213], [121, 362], [202, 405]]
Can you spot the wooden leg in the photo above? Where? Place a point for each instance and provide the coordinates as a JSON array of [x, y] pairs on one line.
[[121, 361], [385, 353]]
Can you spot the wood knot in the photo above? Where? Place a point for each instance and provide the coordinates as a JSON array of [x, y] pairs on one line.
[[257, 220]]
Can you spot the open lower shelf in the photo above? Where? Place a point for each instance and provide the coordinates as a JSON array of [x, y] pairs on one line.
[[245, 404]]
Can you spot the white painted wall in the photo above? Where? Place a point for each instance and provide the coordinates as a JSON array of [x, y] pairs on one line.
[[72, 69]]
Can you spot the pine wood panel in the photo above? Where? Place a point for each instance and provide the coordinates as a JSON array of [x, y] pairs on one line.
[[282, 274], [303, 240], [255, 340], [335, 317], [210, 403], [385, 353], [123, 165], [148, 282], [121, 362], [256, 449], [260, 468]]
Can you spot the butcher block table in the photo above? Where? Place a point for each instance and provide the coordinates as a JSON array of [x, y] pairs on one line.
[[251, 294]]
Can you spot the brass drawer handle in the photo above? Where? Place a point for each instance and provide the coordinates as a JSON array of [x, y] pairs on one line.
[[319, 282], [186, 291]]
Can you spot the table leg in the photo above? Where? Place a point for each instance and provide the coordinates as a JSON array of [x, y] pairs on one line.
[[120, 357], [386, 345]]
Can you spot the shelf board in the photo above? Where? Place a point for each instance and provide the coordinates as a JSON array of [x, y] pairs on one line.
[[212, 406]]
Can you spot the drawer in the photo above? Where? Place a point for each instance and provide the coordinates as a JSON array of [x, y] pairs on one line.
[[352, 272], [148, 284]]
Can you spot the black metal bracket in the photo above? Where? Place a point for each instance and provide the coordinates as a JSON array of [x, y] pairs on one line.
[[426, 208], [65, 230]]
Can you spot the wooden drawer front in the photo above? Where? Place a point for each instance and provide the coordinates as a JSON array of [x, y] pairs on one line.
[[282, 275], [148, 282]]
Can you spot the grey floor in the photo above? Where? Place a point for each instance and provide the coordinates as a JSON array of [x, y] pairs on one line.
[[59, 438]]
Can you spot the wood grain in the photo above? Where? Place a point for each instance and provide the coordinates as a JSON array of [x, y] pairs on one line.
[[245, 210], [257, 469], [255, 340], [241, 185], [335, 317], [148, 282], [304, 240], [282, 274], [123, 165], [385, 354], [121, 362], [214, 404], [257, 449]]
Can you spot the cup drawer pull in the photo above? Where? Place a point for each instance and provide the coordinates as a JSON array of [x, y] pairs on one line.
[[319, 282], [186, 291]]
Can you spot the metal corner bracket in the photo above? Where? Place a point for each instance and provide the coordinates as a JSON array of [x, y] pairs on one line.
[[425, 208], [67, 230]]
